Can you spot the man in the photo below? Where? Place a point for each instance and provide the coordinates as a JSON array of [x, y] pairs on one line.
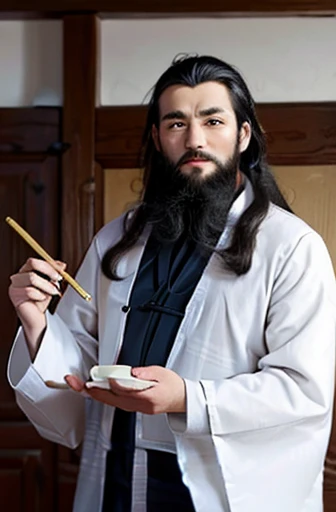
[[213, 289]]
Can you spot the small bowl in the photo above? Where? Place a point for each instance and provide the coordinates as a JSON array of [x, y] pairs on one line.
[[120, 373]]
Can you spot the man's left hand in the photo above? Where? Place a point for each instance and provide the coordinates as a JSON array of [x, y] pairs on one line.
[[167, 394]]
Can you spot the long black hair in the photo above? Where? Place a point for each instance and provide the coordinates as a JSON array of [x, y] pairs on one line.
[[192, 71]]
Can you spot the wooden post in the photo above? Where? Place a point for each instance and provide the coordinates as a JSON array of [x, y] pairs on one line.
[[79, 86]]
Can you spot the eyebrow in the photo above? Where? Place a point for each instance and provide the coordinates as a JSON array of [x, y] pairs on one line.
[[175, 114], [211, 111], [178, 114]]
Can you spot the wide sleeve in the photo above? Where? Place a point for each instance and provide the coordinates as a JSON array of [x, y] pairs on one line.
[[69, 345], [295, 379]]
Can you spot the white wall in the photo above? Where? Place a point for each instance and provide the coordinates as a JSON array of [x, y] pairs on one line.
[[30, 63], [289, 59], [284, 59]]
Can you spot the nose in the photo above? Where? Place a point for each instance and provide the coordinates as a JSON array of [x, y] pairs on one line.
[[195, 137]]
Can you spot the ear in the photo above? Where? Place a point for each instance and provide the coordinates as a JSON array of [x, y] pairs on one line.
[[244, 136], [155, 136]]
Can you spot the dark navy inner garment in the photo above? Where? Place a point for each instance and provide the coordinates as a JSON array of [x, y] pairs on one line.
[[167, 277]]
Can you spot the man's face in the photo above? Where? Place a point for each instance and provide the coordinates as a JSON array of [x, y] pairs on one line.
[[198, 129]]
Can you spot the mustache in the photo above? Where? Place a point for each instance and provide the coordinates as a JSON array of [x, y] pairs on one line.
[[197, 154]]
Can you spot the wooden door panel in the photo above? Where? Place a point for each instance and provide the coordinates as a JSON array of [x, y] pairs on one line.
[[121, 190], [67, 479], [29, 194], [19, 487], [27, 469], [310, 192], [27, 480]]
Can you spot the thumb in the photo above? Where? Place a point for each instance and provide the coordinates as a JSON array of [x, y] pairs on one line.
[[74, 382]]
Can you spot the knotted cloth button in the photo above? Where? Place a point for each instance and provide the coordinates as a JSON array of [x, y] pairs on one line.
[[125, 308]]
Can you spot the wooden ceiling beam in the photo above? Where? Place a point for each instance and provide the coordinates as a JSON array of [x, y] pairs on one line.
[[10, 9]]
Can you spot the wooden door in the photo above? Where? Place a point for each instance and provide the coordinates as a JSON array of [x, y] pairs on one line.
[[29, 193]]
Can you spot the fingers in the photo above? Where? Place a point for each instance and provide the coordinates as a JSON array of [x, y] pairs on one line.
[[155, 373], [33, 283], [120, 390], [34, 264], [37, 274], [127, 403], [22, 295]]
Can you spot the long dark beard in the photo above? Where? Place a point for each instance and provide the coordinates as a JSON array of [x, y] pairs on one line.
[[193, 206]]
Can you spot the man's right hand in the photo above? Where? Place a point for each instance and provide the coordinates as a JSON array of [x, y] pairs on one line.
[[31, 294]]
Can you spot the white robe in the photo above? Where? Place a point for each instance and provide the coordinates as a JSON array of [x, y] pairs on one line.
[[257, 355]]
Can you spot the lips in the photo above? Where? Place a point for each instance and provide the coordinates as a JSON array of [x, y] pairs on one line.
[[195, 161]]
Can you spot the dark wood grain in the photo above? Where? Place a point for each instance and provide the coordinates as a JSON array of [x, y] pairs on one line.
[[330, 502], [19, 490], [80, 57], [330, 469], [27, 470], [29, 130], [67, 479], [136, 8], [118, 133], [302, 134]]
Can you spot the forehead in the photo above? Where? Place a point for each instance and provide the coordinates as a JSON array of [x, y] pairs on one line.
[[192, 99]]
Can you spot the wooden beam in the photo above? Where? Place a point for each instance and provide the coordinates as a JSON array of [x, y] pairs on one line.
[[80, 71], [297, 133], [300, 133], [176, 8]]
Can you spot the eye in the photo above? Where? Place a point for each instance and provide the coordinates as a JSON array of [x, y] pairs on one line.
[[214, 122], [176, 124]]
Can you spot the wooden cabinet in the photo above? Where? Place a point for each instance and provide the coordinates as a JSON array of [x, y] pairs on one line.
[[30, 194]]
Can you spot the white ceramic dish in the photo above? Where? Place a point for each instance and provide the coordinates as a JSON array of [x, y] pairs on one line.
[[120, 373]]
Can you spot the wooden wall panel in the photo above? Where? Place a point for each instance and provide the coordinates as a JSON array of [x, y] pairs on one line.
[[18, 481], [330, 471], [27, 469], [118, 135], [301, 133], [29, 130], [68, 466]]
